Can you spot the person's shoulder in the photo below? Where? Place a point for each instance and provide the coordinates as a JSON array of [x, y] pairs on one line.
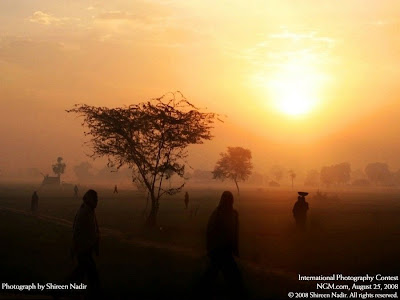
[[214, 213], [85, 210]]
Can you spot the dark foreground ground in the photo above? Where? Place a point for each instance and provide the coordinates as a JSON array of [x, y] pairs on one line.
[[355, 234]]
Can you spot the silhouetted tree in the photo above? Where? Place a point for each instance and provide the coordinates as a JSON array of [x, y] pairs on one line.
[[292, 176], [378, 173], [168, 175], [151, 138], [59, 167], [336, 174], [235, 164], [82, 171], [327, 177], [342, 173]]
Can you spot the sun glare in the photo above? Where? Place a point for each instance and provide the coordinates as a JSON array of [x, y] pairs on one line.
[[294, 89]]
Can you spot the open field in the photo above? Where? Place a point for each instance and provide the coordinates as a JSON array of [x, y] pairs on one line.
[[355, 234]]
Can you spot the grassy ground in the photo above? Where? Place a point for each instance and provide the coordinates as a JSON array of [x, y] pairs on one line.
[[37, 251], [356, 234]]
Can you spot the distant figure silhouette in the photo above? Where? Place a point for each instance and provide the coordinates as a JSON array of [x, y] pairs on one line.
[[34, 202], [186, 200], [300, 209], [76, 190], [115, 189], [222, 244], [86, 241]]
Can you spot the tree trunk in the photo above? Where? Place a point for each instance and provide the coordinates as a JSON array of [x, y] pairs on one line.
[[151, 220], [147, 205], [237, 186]]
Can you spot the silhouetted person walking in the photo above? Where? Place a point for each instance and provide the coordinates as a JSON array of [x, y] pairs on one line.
[[300, 209], [76, 190], [34, 202], [186, 200], [222, 244], [86, 241], [115, 189]]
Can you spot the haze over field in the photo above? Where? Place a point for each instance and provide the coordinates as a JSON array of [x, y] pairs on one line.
[[302, 84]]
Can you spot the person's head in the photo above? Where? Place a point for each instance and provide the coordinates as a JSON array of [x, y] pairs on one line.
[[301, 198], [226, 201], [90, 198]]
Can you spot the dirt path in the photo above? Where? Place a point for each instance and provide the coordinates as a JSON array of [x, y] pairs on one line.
[[189, 252]]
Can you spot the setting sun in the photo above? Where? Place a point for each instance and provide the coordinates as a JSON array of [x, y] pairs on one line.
[[294, 89]]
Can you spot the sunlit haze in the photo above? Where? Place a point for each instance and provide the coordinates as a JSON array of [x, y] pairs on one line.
[[294, 88], [300, 83]]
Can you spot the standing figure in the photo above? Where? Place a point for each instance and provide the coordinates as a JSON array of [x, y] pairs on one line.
[[186, 200], [222, 245], [115, 189], [34, 202], [76, 190], [86, 241], [300, 209]]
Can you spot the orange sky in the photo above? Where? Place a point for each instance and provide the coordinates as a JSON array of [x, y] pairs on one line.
[[239, 58]]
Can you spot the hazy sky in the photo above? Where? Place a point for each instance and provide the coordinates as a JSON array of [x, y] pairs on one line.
[[306, 82]]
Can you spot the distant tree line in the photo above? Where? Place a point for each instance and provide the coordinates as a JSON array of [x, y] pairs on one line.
[[374, 174], [338, 174], [86, 173]]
